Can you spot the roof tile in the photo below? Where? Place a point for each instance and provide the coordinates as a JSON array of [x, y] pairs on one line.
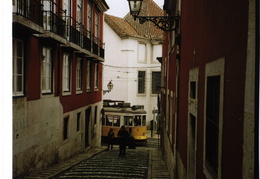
[[127, 26]]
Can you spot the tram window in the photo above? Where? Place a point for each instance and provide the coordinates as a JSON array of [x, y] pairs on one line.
[[109, 120], [116, 122], [131, 121], [128, 121], [137, 120], [144, 121], [103, 121]]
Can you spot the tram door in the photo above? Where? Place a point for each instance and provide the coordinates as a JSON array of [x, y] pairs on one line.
[[87, 119]]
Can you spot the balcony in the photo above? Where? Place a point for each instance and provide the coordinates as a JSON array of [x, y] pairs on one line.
[[53, 22], [86, 39], [31, 11], [74, 30], [25, 12], [54, 18]]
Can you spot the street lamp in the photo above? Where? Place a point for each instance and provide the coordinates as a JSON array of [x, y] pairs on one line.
[[165, 23], [110, 86]]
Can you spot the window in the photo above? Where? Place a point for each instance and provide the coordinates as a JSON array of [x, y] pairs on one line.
[[66, 6], [97, 25], [128, 121], [156, 82], [79, 74], [18, 68], [141, 82], [66, 72], [96, 76], [89, 20], [137, 120], [79, 11], [212, 122], [116, 121], [141, 52], [193, 89], [78, 121], [22, 7], [144, 121], [109, 120], [157, 52], [46, 70], [65, 128], [88, 75]]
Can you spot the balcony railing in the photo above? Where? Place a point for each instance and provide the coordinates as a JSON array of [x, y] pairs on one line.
[[95, 45], [86, 39], [102, 50], [54, 18], [98, 47], [31, 10], [74, 31]]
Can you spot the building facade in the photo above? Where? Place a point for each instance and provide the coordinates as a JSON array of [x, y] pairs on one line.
[[131, 59], [58, 52], [208, 103]]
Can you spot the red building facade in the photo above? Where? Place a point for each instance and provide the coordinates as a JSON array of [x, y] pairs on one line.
[[208, 100], [58, 52]]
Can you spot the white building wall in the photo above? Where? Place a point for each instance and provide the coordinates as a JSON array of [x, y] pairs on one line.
[[122, 65]]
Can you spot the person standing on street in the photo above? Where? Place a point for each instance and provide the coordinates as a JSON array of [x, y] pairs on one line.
[[123, 138], [110, 136]]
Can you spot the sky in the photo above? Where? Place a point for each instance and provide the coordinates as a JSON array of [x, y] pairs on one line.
[[120, 8]]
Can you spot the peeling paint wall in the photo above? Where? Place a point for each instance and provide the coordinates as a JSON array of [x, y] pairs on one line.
[[36, 133]]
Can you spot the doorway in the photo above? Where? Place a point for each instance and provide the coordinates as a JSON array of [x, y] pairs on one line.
[[192, 147], [87, 124]]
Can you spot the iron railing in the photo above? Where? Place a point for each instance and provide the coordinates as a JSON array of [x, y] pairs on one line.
[[86, 39], [55, 19], [74, 31], [31, 11]]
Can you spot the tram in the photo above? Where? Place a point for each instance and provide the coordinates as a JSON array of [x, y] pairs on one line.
[[118, 113]]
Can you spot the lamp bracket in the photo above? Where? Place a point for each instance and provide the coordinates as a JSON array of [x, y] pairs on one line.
[[165, 23], [106, 91]]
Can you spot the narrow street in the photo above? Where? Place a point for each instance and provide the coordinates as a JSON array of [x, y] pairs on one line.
[[109, 164]]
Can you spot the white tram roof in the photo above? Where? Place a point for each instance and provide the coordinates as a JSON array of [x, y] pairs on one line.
[[122, 107], [124, 110]]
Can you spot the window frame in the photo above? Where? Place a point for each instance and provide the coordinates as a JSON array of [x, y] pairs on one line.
[[79, 11], [141, 82], [142, 52], [15, 74], [214, 68], [89, 18], [44, 69], [96, 80], [79, 75], [157, 82], [66, 78], [88, 77], [97, 24]]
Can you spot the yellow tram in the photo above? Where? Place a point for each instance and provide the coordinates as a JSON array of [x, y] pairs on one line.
[[118, 113]]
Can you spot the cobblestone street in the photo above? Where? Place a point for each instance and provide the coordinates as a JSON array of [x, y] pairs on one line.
[[109, 164], [144, 162]]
